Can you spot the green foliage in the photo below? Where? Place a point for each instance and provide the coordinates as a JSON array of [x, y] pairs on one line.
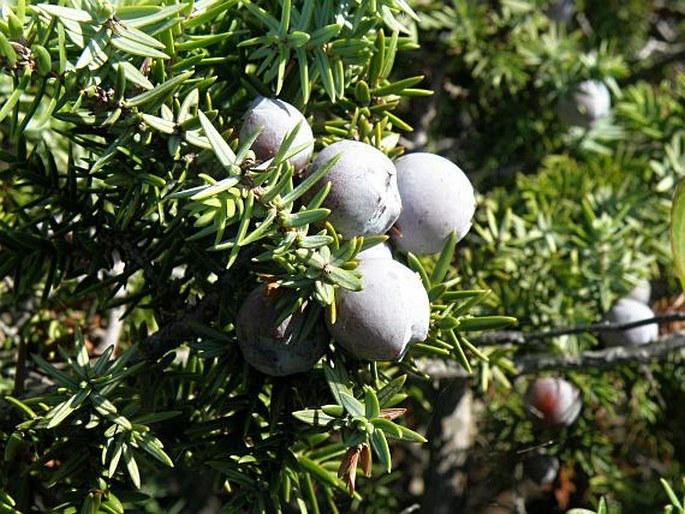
[[126, 193], [677, 505], [508, 69], [625, 23], [130, 206]]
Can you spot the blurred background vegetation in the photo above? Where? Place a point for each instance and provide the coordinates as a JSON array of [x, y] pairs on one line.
[[571, 218]]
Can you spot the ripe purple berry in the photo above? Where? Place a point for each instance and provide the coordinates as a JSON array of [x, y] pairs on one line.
[[380, 321], [276, 119], [281, 349], [364, 199], [553, 402], [437, 199]]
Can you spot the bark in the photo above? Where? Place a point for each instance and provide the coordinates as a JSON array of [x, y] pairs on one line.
[[451, 436]]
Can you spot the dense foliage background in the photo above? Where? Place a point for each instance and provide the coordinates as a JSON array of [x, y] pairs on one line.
[[133, 223]]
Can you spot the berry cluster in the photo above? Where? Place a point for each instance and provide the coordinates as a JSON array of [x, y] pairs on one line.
[[420, 199]]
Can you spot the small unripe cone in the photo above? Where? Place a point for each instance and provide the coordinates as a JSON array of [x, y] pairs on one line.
[[273, 349], [364, 199], [437, 199], [553, 402], [380, 321], [628, 310], [276, 119]]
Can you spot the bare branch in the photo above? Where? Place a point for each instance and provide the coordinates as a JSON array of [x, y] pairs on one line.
[[601, 359], [595, 359], [517, 337]]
